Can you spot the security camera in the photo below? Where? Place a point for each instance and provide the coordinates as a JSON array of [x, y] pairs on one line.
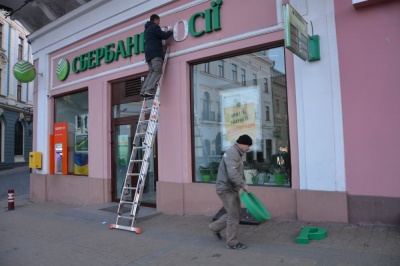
[[48, 96]]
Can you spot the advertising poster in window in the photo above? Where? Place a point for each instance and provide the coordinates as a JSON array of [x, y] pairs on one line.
[[81, 166], [240, 109], [123, 150]]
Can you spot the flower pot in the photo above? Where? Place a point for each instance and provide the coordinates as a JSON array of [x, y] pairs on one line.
[[213, 176], [255, 180], [248, 174], [205, 178], [280, 179]]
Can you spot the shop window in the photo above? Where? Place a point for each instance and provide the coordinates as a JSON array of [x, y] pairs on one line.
[[241, 110], [18, 139], [73, 109]]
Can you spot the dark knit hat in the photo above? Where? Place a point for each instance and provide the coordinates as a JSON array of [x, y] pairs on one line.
[[245, 139]]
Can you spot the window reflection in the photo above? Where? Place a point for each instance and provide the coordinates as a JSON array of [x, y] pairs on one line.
[[224, 109], [73, 108]]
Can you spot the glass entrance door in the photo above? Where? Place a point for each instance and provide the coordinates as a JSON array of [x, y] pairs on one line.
[[126, 108], [122, 147], [124, 128]]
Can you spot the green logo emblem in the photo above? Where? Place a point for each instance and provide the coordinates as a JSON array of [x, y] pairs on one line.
[[24, 71], [62, 69]]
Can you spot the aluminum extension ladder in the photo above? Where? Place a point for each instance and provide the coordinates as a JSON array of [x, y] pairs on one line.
[[148, 130]]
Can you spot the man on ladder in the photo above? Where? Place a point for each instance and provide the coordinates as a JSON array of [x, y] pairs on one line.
[[146, 128], [153, 36]]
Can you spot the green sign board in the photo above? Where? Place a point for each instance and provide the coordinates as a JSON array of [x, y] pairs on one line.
[[62, 69], [134, 45], [24, 71], [296, 32]]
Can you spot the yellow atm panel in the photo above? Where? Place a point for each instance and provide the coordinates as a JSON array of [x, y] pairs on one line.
[[35, 159]]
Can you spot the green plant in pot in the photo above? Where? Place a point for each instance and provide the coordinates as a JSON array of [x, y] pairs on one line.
[[205, 173], [254, 178], [213, 166]]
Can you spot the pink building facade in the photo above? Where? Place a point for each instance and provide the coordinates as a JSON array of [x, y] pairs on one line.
[[228, 73], [369, 107]]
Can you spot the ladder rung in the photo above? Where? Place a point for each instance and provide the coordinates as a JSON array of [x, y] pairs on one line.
[[136, 161], [132, 174], [126, 202], [143, 122], [141, 134], [131, 188], [124, 217], [128, 228], [139, 148]]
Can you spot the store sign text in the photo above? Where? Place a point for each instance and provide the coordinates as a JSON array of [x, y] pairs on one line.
[[135, 45]]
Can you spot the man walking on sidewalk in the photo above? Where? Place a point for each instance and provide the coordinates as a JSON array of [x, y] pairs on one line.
[[229, 182], [153, 36]]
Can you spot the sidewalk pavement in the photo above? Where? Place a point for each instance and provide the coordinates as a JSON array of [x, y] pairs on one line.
[[16, 179], [58, 234]]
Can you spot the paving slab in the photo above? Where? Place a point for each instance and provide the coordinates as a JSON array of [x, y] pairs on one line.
[[59, 234]]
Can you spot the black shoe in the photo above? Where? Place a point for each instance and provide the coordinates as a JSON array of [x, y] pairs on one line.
[[237, 246], [217, 235]]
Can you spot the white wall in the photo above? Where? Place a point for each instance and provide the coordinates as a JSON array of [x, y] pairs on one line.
[[319, 108]]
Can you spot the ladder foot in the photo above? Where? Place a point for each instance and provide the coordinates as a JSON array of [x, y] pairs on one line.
[[138, 230], [112, 226]]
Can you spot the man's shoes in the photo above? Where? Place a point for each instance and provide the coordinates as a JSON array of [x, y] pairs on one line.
[[142, 94], [216, 234], [237, 246]]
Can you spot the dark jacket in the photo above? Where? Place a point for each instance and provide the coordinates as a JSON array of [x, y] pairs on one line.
[[231, 170], [153, 36]]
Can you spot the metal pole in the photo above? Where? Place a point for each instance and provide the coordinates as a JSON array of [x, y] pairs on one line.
[[11, 199]]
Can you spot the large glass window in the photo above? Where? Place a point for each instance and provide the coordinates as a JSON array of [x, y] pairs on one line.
[[243, 109], [73, 109]]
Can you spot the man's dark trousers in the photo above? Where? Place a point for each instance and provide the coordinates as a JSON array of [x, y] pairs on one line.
[[155, 71]]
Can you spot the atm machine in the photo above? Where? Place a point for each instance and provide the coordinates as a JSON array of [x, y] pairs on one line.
[[59, 149]]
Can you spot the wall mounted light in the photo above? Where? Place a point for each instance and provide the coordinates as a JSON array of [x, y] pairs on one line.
[[28, 116]]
